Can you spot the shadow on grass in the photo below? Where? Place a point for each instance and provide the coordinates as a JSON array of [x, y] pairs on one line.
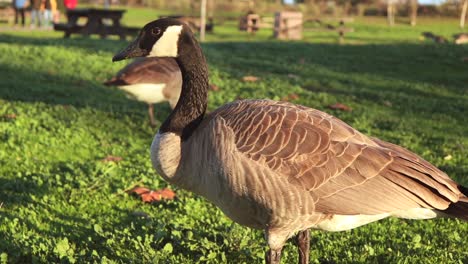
[[419, 78], [89, 44], [425, 78], [405, 73], [425, 63]]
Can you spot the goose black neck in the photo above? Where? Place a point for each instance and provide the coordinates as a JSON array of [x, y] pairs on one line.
[[191, 107]]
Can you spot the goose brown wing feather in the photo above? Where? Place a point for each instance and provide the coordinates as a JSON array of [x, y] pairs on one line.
[[148, 70], [345, 171]]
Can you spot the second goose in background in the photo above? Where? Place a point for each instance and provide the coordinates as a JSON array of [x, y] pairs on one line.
[[150, 80]]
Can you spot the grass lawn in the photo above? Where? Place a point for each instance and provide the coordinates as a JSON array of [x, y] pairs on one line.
[[60, 202]]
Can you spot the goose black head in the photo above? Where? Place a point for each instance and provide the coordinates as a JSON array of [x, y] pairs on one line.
[[160, 38]]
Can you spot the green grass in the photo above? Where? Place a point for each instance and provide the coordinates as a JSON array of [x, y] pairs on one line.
[[61, 203]]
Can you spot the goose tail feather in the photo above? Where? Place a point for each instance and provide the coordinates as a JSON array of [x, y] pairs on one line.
[[460, 208], [115, 82]]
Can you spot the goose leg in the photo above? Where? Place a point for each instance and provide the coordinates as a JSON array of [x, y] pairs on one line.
[[276, 240], [273, 256], [151, 115], [303, 245]]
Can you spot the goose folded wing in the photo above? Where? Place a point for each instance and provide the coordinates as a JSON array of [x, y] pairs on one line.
[[149, 70], [342, 170]]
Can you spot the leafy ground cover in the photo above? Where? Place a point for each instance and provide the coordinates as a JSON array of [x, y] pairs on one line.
[[61, 201]]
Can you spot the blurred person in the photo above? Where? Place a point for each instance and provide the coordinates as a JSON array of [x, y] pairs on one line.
[[55, 11], [70, 4], [36, 17], [47, 12], [19, 6]]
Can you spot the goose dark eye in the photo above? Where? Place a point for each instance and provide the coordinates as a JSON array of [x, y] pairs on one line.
[[155, 31]]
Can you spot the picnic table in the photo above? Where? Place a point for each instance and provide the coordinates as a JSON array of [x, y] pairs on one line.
[[96, 23]]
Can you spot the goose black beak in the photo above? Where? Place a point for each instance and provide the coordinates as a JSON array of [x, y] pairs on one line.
[[133, 50]]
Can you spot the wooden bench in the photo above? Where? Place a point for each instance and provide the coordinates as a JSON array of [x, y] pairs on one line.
[[96, 23]]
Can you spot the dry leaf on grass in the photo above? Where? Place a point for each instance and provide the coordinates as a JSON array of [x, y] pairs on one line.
[[111, 158], [250, 78], [340, 106], [10, 116], [293, 96], [290, 97], [214, 88], [149, 196]]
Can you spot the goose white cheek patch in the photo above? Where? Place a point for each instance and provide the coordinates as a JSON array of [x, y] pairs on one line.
[[166, 46]]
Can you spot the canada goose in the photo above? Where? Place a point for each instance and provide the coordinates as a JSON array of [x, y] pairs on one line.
[[461, 38], [435, 38], [281, 167], [151, 80]]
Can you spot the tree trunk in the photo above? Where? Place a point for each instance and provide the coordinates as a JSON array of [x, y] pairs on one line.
[[414, 12], [346, 8], [463, 14], [202, 20], [391, 12]]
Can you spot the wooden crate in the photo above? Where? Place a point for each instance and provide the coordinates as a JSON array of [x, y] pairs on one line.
[[288, 25]]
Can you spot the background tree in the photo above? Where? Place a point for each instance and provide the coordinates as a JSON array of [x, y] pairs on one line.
[[463, 14], [413, 11], [391, 10]]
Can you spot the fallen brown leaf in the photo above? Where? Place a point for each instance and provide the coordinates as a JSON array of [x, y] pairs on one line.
[[149, 196], [10, 116], [293, 96], [290, 97], [340, 106], [465, 59], [214, 88], [111, 158], [250, 78]]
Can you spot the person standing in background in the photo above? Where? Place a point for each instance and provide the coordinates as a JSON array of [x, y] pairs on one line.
[[36, 13], [70, 4], [47, 14], [55, 11], [19, 6]]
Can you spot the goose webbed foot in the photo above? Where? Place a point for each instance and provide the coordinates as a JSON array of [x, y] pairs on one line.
[[303, 246]]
